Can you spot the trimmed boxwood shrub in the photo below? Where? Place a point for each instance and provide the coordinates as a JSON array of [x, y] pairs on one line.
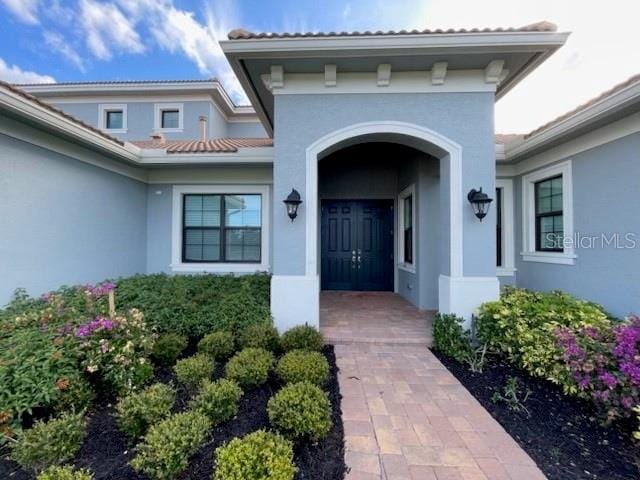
[[450, 337], [258, 456], [64, 473], [250, 367], [303, 366], [302, 337], [192, 371], [218, 345], [239, 310], [166, 449], [218, 400], [49, 443], [260, 335], [300, 410], [167, 348], [137, 412]]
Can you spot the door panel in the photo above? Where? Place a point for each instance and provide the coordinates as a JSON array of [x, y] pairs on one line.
[[357, 245]]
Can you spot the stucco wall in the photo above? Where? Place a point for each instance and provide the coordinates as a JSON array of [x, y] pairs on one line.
[[245, 129], [64, 221], [605, 201], [465, 118]]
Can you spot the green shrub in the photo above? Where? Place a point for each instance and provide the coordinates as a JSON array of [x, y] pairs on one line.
[[74, 395], [64, 473], [193, 370], [522, 324], [302, 337], [166, 448], [260, 335], [636, 434], [450, 337], [250, 367], [49, 443], [218, 345], [168, 347], [138, 411], [300, 410], [258, 456], [239, 310], [303, 366], [218, 400]]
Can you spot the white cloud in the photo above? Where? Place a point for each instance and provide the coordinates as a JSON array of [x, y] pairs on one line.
[[25, 10], [107, 30], [600, 52], [14, 74], [56, 42]]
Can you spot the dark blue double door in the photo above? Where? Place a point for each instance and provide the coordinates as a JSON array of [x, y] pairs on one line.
[[357, 245]]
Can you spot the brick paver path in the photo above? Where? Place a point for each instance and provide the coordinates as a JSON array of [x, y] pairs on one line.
[[405, 416]]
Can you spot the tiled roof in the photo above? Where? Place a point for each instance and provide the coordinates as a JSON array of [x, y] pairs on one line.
[[584, 106], [503, 138], [118, 82], [57, 111], [213, 145], [241, 34]]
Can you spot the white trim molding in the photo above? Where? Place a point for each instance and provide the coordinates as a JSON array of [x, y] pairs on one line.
[[177, 265], [410, 191], [463, 295], [105, 108], [295, 299], [158, 108], [449, 151], [529, 253], [508, 267]]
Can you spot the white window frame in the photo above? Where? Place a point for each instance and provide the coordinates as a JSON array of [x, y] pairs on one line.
[[529, 253], [508, 267], [177, 265], [410, 191], [104, 108], [158, 108]]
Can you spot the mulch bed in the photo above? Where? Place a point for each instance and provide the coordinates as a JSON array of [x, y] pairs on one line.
[[106, 452], [562, 434]]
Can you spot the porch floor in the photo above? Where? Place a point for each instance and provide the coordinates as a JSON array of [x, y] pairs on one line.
[[373, 317], [406, 417]]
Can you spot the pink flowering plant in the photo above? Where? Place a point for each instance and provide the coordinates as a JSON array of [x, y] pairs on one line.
[[116, 351], [604, 364]]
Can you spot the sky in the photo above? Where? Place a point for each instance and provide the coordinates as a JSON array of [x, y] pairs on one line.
[[83, 40]]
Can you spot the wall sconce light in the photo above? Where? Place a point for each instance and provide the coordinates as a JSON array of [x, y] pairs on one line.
[[480, 202], [292, 202]]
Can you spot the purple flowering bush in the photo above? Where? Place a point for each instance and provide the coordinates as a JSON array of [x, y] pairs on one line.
[[604, 365], [116, 351]]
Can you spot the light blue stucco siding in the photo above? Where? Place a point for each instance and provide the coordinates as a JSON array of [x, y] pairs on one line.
[[605, 202], [140, 119], [63, 221], [465, 118], [246, 130]]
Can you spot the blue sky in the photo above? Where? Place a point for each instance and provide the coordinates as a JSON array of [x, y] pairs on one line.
[[76, 40]]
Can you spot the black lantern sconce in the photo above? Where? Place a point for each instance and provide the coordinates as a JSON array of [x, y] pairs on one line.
[[292, 202], [480, 202]]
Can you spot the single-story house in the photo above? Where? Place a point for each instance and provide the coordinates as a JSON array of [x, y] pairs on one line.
[[365, 162]]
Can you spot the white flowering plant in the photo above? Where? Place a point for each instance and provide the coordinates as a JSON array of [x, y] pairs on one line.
[[115, 351]]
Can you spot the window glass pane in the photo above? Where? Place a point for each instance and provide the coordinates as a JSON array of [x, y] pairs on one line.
[[556, 186], [556, 203], [243, 210], [202, 244], [544, 204], [115, 119], [242, 245], [202, 210], [170, 118], [408, 212]]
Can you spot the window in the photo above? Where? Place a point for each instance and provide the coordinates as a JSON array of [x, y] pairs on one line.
[[222, 228], [113, 118], [549, 229], [168, 117], [547, 212], [505, 243], [406, 229], [498, 227]]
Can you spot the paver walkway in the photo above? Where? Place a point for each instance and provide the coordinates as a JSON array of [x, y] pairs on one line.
[[405, 416]]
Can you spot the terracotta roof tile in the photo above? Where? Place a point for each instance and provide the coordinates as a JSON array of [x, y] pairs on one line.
[[241, 34], [57, 111], [213, 145], [584, 106], [503, 138]]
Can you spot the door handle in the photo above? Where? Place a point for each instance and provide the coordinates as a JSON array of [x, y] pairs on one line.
[[353, 259]]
